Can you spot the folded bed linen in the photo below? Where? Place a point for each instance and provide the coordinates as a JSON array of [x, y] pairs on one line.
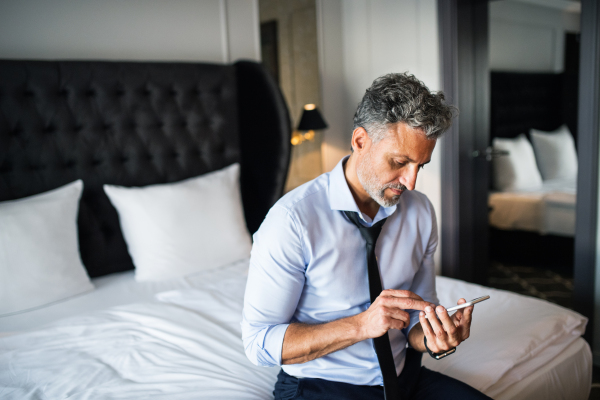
[[567, 376], [512, 336], [186, 344], [547, 210]]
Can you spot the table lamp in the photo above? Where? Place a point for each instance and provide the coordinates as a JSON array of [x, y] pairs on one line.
[[310, 121]]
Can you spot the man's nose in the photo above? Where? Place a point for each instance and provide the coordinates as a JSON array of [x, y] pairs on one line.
[[409, 178]]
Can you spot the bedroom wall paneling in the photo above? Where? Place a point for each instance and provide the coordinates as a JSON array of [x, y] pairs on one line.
[[465, 80], [158, 30], [298, 76], [529, 37], [585, 279], [360, 40]]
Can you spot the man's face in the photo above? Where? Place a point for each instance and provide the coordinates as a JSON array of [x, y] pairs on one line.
[[389, 167]]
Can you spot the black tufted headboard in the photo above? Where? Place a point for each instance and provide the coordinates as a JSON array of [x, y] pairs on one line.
[[522, 101], [134, 124]]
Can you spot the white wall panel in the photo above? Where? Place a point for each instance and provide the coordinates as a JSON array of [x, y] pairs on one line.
[[377, 37], [333, 89], [528, 38], [243, 30], [177, 30]]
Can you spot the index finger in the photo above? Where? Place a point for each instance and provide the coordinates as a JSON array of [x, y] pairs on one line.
[[401, 293], [407, 303]]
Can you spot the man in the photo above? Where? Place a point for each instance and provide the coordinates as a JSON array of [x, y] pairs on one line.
[[314, 301]]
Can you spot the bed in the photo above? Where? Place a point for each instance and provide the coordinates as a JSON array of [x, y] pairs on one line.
[[144, 127]]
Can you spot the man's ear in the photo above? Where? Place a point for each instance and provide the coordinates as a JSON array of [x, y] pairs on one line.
[[360, 140]]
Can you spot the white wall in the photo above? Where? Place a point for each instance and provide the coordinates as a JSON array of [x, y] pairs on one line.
[[527, 37], [173, 30], [360, 40]]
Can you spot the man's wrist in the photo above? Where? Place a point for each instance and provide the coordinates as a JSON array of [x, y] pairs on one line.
[[415, 338], [359, 328]]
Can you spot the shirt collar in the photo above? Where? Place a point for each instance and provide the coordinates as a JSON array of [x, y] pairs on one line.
[[341, 199]]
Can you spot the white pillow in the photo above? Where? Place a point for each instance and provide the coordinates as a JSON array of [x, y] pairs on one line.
[[518, 169], [39, 252], [176, 229], [555, 153]]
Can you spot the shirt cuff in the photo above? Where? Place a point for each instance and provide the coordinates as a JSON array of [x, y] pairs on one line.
[[273, 344]]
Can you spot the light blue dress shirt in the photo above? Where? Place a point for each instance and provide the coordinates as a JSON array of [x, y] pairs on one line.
[[308, 264]]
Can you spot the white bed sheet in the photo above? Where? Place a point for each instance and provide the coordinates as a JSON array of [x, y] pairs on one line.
[[186, 344], [567, 376], [161, 350], [549, 210], [111, 290]]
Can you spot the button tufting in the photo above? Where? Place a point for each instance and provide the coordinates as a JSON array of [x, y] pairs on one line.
[[107, 231], [90, 93], [6, 169], [63, 93], [49, 129], [28, 93]]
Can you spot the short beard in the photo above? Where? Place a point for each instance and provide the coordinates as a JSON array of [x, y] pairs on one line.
[[369, 181]]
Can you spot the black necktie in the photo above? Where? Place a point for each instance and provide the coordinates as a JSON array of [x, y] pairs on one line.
[[383, 349]]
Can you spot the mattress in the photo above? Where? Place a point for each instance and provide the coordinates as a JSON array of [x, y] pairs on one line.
[[547, 210], [185, 342]]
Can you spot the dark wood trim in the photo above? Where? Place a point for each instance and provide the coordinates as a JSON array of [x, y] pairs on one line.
[[447, 10], [480, 135], [459, 22], [587, 180], [465, 81]]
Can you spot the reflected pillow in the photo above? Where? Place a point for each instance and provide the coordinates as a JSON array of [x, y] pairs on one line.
[[555, 153], [176, 229], [517, 170], [39, 252]]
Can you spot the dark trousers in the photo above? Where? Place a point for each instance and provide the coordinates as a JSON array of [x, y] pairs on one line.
[[415, 382]]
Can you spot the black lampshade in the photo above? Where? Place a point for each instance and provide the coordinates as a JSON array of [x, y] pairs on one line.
[[311, 120]]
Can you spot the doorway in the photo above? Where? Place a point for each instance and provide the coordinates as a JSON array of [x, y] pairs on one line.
[[534, 68], [465, 45]]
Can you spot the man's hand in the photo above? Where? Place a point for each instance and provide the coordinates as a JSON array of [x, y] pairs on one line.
[[303, 342], [388, 312], [444, 333]]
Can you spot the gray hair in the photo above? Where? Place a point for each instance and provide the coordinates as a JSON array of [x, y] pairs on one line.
[[398, 97]]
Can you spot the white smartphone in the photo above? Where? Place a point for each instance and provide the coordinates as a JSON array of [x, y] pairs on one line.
[[468, 303]]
